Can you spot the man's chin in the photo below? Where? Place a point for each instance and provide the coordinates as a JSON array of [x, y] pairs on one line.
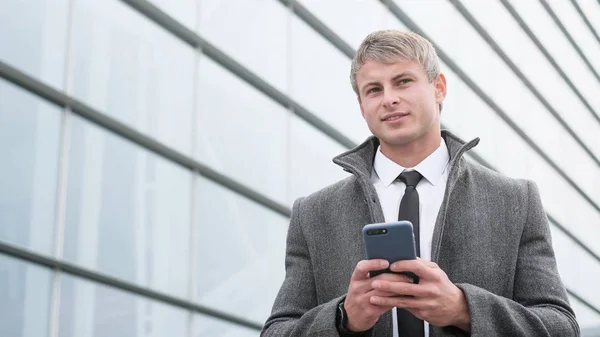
[[398, 138]]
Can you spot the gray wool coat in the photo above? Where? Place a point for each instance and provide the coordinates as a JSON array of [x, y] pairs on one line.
[[491, 237]]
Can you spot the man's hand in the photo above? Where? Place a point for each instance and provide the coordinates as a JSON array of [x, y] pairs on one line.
[[362, 313], [434, 299]]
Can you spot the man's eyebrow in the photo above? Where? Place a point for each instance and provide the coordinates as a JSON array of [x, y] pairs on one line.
[[369, 84], [403, 74]]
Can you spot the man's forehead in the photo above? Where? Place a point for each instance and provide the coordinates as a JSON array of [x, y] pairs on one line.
[[374, 68]]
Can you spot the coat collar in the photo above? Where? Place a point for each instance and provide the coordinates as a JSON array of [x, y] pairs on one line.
[[359, 160]]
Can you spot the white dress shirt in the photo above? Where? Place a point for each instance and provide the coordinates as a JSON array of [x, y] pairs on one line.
[[431, 188]]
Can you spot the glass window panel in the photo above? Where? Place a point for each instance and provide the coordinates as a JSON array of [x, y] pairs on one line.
[[29, 148], [592, 12], [392, 22], [205, 326], [33, 37], [127, 211], [579, 271], [517, 45], [371, 16], [558, 46], [504, 150], [252, 32], [240, 252], [311, 160], [244, 137], [92, 310], [134, 71], [481, 63], [320, 81], [184, 11], [24, 298], [576, 27]]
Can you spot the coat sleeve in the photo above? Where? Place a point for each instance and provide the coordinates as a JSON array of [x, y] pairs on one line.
[[540, 306], [296, 311]]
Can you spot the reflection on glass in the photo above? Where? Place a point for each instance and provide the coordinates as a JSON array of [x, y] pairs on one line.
[[311, 155], [24, 299], [253, 32], [204, 326], [29, 151], [127, 211], [133, 70], [370, 14], [33, 37], [573, 262], [333, 99], [92, 310], [240, 252], [248, 131]]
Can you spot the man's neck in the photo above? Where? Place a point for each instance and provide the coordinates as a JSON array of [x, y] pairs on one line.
[[410, 155]]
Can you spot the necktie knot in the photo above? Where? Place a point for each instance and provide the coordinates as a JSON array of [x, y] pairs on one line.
[[410, 178]]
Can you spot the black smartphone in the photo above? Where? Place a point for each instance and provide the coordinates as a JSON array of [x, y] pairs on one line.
[[392, 241]]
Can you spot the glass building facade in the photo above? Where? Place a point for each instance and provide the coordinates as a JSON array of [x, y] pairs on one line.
[[150, 151]]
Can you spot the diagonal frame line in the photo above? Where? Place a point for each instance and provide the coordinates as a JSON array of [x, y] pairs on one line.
[[566, 33], [400, 15], [494, 45], [84, 273], [513, 12]]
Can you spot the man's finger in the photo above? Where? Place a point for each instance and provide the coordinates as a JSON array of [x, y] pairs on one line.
[[375, 292], [363, 268], [400, 288], [398, 301], [394, 277], [418, 267], [430, 264]]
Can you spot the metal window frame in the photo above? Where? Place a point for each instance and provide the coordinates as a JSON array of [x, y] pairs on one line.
[[494, 45], [404, 18], [122, 130], [586, 20], [566, 33], [513, 12], [99, 278]]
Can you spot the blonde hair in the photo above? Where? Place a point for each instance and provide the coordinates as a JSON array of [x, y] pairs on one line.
[[388, 46]]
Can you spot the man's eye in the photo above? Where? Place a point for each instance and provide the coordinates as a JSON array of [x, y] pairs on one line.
[[404, 81], [372, 90]]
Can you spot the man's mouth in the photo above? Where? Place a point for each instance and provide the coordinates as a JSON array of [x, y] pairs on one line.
[[394, 117]]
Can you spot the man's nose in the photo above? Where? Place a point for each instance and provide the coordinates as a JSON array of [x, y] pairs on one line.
[[391, 99]]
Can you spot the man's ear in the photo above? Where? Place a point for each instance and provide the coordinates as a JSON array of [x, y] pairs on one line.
[[440, 88]]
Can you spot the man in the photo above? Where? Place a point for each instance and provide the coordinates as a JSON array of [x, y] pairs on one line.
[[493, 271]]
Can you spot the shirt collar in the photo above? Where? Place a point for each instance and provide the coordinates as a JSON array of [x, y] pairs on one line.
[[431, 168]]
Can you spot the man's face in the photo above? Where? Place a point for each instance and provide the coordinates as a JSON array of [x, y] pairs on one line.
[[398, 102]]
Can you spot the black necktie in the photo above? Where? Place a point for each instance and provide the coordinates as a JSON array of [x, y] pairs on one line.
[[408, 324]]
